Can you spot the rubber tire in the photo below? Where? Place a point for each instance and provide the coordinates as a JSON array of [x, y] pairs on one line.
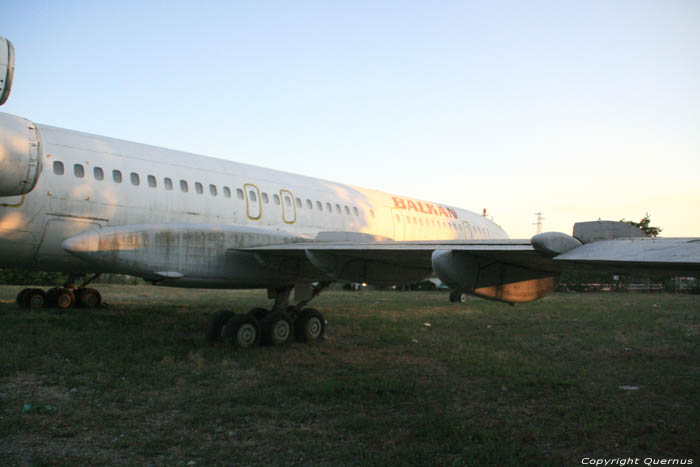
[[310, 325], [65, 298], [89, 298], [463, 297], [231, 332], [51, 295], [454, 296], [33, 299], [271, 332], [20, 297], [212, 332], [21, 302], [258, 313]]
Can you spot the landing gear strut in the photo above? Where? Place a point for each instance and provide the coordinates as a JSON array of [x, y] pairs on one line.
[[270, 327], [61, 297]]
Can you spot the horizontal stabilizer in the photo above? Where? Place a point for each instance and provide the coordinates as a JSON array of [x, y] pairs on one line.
[[588, 232]]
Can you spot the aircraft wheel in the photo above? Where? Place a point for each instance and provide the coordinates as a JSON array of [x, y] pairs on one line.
[[258, 313], [241, 331], [89, 298], [51, 295], [65, 298], [215, 324], [457, 296], [310, 325], [276, 328], [20, 297], [34, 298]]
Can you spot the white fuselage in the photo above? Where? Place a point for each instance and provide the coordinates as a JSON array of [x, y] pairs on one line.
[[88, 182]]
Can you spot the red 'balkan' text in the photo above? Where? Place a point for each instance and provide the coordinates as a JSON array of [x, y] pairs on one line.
[[423, 207]]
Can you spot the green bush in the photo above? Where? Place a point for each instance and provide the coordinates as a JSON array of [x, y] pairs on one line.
[[24, 277]]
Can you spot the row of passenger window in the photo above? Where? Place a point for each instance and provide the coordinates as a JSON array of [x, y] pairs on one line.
[[439, 224], [418, 221], [135, 178]]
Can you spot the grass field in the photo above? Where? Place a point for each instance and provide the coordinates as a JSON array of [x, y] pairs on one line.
[[402, 379]]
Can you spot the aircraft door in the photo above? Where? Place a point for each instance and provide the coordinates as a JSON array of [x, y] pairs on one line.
[[467, 230], [289, 210], [252, 201], [399, 224]]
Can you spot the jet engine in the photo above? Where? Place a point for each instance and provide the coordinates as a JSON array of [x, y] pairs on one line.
[[489, 279], [7, 68], [20, 155]]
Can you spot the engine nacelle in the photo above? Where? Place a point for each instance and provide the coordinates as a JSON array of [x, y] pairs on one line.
[[20, 155], [488, 279], [7, 68]]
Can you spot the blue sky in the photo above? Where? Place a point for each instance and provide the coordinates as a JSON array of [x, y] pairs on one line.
[[578, 110]]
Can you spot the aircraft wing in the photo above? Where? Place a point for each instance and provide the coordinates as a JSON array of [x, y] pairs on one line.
[[652, 255], [416, 254], [508, 270]]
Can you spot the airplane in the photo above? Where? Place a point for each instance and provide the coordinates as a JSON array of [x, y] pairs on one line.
[[86, 205]]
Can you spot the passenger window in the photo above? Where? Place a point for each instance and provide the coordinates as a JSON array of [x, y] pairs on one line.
[[329, 208], [276, 199], [168, 183], [183, 186], [319, 205], [371, 211], [135, 180], [288, 201], [252, 196], [78, 170], [298, 203], [355, 211], [98, 173], [408, 219], [116, 176], [347, 210], [265, 198], [227, 192], [58, 167], [152, 181], [398, 218], [212, 190], [337, 208], [198, 188], [309, 204], [239, 193]]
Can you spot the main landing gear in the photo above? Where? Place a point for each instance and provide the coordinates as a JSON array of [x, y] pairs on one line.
[[269, 327], [61, 297]]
